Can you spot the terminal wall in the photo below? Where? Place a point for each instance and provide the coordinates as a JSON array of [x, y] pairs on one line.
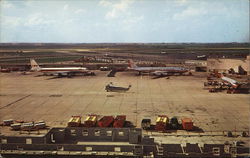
[[226, 64]]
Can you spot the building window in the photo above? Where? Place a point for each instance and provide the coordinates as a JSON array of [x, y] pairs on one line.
[[117, 149], [121, 133], [109, 133], [4, 141], [233, 151], [73, 132], [60, 148], [97, 132], [19, 148], [28, 141], [88, 148], [85, 133], [216, 151]]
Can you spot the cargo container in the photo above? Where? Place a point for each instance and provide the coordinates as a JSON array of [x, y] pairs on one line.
[[19, 121], [119, 121], [75, 121], [90, 121], [15, 126], [39, 125], [5, 70], [106, 121], [187, 124], [27, 126], [161, 123], [8, 122], [41, 121]]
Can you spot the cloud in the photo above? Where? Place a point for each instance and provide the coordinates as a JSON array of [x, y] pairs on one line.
[[6, 4], [116, 9], [105, 3], [133, 20], [181, 2], [38, 19], [206, 10], [10, 21], [189, 13], [66, 7], [79, 11], [29, 3], [130, 22]]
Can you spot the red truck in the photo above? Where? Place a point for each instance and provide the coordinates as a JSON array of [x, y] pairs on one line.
[[119, 121], [161, 123], [187, 124], [106, 121]]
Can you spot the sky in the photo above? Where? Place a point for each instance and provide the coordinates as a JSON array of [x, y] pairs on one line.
[[124, 21]]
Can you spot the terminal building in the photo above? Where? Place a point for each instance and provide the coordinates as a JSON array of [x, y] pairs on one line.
[[241, 66], [108, 142]]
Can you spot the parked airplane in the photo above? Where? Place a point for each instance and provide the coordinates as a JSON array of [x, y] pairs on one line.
[[231, 81], [231, 85], [60, 72], [157, 71]]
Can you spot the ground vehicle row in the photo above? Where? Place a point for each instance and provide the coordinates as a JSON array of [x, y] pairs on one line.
[[92, 121], [163, 123]]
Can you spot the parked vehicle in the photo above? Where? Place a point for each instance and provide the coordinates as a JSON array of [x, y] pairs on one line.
[[187, 124], [8, 122], [90, 121], [15, 126], [146, 124], [161, 123], [174, 123], [75, 121], [112, 88], [106, 121], [119, 121]]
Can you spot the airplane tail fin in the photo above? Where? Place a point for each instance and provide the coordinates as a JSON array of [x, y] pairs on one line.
[[34, 65], [131, 64]]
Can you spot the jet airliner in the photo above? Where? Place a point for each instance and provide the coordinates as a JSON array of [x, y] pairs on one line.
[[157, 71], [66, 71]]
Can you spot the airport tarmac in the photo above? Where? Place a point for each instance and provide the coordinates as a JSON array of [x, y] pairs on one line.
[[32, 98]]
